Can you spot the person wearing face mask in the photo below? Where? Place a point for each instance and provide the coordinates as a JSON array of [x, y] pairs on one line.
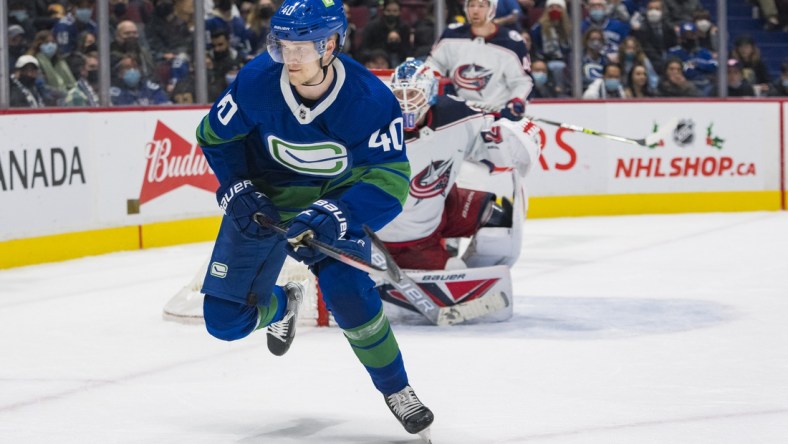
[[609, 86], [258, 25], [127, 42], [544, 87], [700, 66], [56, 74], [680, 11], [130, 87], [738, 86], [24, 91], [77, 20], [593, 61], [85, 69], [168, 34], [631, 54], [387, 32], [552, 37], [221, 17], [16, 44], [223, 57], [19, 15], [655, 35], [707, 31], [614, 30]]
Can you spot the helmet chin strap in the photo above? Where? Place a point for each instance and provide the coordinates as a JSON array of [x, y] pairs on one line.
[[325, 72]]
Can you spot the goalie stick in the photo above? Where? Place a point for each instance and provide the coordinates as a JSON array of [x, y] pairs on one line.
[[387, 270]]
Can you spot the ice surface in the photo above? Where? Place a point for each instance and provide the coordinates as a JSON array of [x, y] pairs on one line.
[[642, 329]]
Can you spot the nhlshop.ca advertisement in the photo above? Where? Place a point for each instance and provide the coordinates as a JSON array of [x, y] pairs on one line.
[[694, 147]]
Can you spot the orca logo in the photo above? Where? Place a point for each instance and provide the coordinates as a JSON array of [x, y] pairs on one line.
[[219, 270], [324, 159]]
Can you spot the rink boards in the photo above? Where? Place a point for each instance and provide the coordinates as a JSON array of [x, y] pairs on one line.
[[76, 183]]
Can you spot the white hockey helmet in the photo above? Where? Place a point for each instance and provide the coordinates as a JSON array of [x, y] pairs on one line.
[[490, 13], [416, 88]]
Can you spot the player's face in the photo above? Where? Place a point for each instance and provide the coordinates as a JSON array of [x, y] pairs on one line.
[[477, 11], [301, 60]]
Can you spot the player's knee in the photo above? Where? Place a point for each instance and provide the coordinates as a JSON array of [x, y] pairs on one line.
[[348, 293], [228, 320]]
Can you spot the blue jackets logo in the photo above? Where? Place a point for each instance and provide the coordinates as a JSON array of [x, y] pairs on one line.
[[325, 159]]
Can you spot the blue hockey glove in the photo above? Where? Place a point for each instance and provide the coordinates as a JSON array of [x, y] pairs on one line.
[[515, 109], [240, 201], [325, 221]]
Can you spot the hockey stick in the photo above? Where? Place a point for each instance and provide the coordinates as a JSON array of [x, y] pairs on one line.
[[640, 142], [329, 250], [392, 274]]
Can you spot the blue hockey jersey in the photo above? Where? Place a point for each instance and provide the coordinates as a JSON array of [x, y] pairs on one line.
[[348, 145]]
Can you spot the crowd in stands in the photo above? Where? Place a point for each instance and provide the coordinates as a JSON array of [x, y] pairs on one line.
[[630, 48]]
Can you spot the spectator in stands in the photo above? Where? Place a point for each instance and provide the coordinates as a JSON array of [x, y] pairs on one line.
[[131, 88], [54, 68], [707, 30], [779, 88], [738, 86], [258, 24], [655, 34], [544, 86], [630, 54], [552, 38], [674, 84], [749, 57], [221, 18], [455, 12], [77, 20], [507, 13], [614, 30], [422, 33], [387, 32], [169, 33], [700, 67], [769, 12], [25, 91], [19, 15], [375, 59], [619, 10], [607, 87], [86, 44], [593, 61], [85, 70], [183, 94], [638, 84], [224, 59], [16, 44], [127, 42], [680, 11]]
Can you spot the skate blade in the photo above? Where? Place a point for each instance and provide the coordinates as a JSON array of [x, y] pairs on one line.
[[425, 435]]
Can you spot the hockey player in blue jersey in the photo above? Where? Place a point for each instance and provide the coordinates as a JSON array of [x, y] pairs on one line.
[[311, 139]]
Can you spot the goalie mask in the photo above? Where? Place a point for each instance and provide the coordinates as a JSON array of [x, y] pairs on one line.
[[416, 89], [300, 30]]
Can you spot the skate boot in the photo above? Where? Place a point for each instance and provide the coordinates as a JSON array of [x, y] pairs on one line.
[[281, 334], [414, 416]]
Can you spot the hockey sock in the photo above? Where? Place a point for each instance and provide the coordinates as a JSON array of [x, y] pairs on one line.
[[375, 346], [273, 312]]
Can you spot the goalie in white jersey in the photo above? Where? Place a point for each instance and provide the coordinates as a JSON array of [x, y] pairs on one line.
[[442, 132], [488, 65]]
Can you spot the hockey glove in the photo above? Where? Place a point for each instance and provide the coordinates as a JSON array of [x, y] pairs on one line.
[[240, 201], [325, 221], [514, 110]]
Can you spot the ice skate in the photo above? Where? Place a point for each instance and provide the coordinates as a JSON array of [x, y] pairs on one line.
[[281, 334], [414, 416]]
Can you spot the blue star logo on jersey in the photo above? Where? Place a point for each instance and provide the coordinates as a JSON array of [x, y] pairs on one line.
[[472, 77], [325, 159], [432, 180]]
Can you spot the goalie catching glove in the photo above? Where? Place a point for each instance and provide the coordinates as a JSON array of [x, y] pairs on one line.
[[240, 201], [325, 221]]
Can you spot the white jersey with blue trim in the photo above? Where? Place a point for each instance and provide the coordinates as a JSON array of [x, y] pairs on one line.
[[451, 135], [491, 70]]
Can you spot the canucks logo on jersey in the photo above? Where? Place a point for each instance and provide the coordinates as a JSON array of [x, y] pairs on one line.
[[327, 159]]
